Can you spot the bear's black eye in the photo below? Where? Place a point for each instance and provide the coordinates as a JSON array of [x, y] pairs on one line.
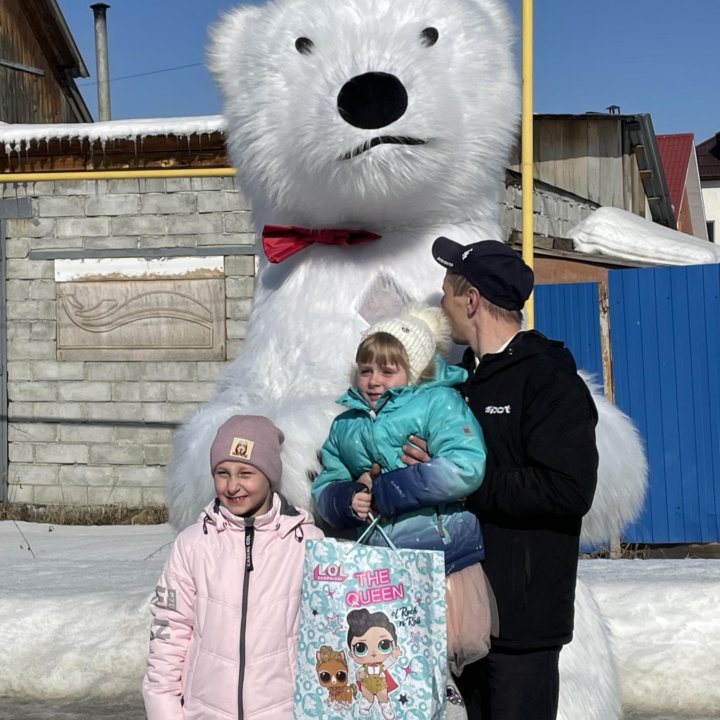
[[304, 45], [429, 36]]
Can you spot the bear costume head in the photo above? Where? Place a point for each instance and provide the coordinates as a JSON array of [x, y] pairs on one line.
[[372, 111]]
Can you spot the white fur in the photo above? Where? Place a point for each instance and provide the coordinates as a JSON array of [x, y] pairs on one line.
[[286, 137], [623, 473], [589, 682]]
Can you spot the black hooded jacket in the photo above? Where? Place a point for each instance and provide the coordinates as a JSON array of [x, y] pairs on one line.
[[539, 423]]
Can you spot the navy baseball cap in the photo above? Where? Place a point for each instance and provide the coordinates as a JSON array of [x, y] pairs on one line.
[[494, 268]]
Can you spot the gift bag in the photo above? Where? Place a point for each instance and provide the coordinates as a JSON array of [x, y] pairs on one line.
[[372, 633]]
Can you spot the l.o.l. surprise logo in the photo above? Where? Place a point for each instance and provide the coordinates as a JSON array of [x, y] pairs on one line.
[[328, 573]]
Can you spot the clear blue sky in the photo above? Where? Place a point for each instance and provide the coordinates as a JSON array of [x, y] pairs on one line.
[[654, 56]]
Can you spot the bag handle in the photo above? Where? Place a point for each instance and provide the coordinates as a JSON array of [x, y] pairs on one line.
[[375, 525]]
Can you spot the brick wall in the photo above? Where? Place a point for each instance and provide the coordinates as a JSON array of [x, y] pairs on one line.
[[555, 212], [99, 432]]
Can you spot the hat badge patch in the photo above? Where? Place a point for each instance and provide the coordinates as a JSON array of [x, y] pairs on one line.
[[241, 448], [466, 253]]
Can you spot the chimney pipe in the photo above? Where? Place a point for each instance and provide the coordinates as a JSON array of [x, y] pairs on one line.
[[103, 64]]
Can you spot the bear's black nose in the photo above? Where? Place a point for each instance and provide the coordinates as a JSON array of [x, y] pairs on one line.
[[372, 100]]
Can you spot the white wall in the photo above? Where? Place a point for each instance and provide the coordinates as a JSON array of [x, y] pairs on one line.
[[711, 199], [695, 199]]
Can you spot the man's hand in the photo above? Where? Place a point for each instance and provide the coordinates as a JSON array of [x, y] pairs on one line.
[[415, 451]]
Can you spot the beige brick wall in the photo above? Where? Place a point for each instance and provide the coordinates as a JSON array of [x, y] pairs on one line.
[[92, 432]]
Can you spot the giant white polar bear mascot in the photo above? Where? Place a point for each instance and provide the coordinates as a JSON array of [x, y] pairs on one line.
[[394, 117]]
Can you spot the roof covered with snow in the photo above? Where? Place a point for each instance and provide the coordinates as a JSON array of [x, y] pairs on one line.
[[18, 137], [620, 234]]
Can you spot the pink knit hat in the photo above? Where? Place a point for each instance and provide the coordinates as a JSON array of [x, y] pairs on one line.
[[251, 439]]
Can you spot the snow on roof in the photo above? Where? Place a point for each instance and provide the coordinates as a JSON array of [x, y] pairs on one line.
[[17, 137], [621, 234], [675, 153]]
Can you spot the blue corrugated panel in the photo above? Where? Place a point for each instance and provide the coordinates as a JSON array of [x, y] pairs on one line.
[[687, 490], [710, 484], [636, 302], [570, 312], [652, 390], [666, 362], [704, 326]]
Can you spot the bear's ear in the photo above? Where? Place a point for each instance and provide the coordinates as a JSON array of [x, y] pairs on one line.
[[226, 41], [498, 17]]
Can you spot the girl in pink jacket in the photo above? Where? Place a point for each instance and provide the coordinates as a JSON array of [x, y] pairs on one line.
[[226, 608]]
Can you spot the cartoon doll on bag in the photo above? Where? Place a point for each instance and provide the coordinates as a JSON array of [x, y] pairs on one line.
[[332, 671], [372, 640]]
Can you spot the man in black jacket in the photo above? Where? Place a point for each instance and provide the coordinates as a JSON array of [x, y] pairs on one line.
[[539, 423]]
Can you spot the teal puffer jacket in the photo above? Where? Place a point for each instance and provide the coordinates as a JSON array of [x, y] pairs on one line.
[[421, 505]]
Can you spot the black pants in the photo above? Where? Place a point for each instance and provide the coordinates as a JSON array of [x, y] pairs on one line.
[[512, 685]]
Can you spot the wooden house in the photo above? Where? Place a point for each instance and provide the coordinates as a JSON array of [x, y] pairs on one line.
[[39, 62], [582, 162], [609, 159]]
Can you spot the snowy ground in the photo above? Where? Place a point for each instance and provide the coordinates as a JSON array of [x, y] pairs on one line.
[[75, 621]]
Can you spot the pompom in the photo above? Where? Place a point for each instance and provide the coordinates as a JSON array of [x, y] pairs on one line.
[[436, 320]]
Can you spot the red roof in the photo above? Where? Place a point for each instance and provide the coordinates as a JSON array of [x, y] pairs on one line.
[[675, 155]]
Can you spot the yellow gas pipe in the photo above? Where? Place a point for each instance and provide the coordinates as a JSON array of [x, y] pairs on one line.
[[115, 174], [527, 150]]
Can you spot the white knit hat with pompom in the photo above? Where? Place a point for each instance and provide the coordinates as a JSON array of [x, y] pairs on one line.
[[422, 330]]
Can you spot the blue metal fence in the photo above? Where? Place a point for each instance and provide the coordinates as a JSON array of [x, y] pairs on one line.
[[666, 366], [570, 312], [665, 347]]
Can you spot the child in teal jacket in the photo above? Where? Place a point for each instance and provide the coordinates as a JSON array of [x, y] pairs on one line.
[[404, 387]]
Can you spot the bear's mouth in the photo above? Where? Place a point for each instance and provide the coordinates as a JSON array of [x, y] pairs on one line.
[[382, 140]]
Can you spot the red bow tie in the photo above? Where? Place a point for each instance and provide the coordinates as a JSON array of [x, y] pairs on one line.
[[282, 241]]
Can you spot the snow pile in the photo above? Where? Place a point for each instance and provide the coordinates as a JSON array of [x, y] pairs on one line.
[[76, 618], [666, 626], [16, 138], [621, 234]]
